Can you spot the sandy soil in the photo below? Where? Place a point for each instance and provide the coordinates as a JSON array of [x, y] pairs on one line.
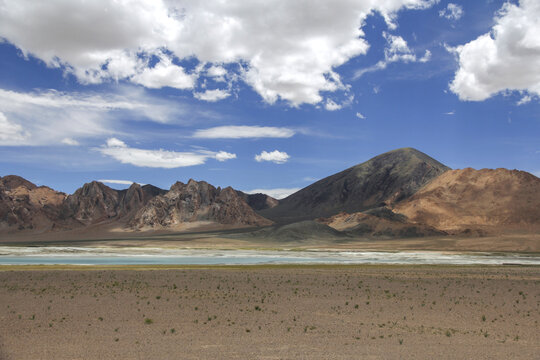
[[270, 312]]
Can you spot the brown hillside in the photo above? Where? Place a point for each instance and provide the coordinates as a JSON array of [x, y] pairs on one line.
[[24, 206], [476, 198]]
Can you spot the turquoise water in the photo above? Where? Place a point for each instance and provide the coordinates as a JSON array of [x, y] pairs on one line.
[[166, 256]]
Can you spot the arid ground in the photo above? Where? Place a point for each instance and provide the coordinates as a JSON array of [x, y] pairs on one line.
[[270, 312]]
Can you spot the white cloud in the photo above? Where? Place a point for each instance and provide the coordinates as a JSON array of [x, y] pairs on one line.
[[11, 133], [331, 105], [115, 143], [524, 100], [284, 49], [360, 115], [450, 112], [242, 132], [52, 117], [507, 58], [119, 150], [216, 71], [426, 57], [212, 95], [164, 74], [120, 182], [70, 142], [452, 12], [396, 50], [279, 193], [224, 156], [278, 157]]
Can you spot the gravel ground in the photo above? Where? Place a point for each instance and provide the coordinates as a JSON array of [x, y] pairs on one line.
[[270, 312]]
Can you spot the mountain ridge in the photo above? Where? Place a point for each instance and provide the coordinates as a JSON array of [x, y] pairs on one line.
[[399, 194]]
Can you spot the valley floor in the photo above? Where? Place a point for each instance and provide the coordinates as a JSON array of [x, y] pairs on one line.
[[270, 312], [512, 242]]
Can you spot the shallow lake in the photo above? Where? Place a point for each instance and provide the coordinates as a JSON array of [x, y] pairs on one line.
[[165, 256]]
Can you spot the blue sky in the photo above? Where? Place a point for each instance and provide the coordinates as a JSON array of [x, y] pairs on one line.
[[265, 94]]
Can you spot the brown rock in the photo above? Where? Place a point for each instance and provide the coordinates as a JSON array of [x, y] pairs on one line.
[[196, 201]]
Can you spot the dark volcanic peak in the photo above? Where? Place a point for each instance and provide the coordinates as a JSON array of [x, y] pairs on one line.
[[383, 180]]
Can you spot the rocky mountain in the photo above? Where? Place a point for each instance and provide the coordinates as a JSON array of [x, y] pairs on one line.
[[25, 206], [382, 181], [402, 193], [96, 203], [468, 198], [196, 201]]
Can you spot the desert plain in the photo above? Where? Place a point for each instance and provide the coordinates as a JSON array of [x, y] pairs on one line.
[[270, 312]]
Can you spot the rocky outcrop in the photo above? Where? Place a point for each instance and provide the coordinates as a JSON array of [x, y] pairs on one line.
[[96, 203], [25, 206], [196, 201], [91, 204]]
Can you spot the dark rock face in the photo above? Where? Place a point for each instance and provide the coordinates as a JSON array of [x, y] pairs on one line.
[[382, 181], [258, 201], [196, 201], [135, 197], [93, 203]]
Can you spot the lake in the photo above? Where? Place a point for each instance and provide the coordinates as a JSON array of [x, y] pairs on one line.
[[11, 255]]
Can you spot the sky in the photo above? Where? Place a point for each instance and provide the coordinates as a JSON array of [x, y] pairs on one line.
[[262, 95]]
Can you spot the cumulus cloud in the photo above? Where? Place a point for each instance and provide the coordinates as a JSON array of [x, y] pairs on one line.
[[279, 193], [452, 12], [216, 71], [52, 117], [224, 156], [165, 74], [212, 95], [242, 132], [288, 55], [278, 157], [360, 115], [119, 150], [331, 105], [506, 58], [396, 50]]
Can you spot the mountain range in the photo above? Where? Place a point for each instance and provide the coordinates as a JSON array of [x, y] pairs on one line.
[[401, 193]]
